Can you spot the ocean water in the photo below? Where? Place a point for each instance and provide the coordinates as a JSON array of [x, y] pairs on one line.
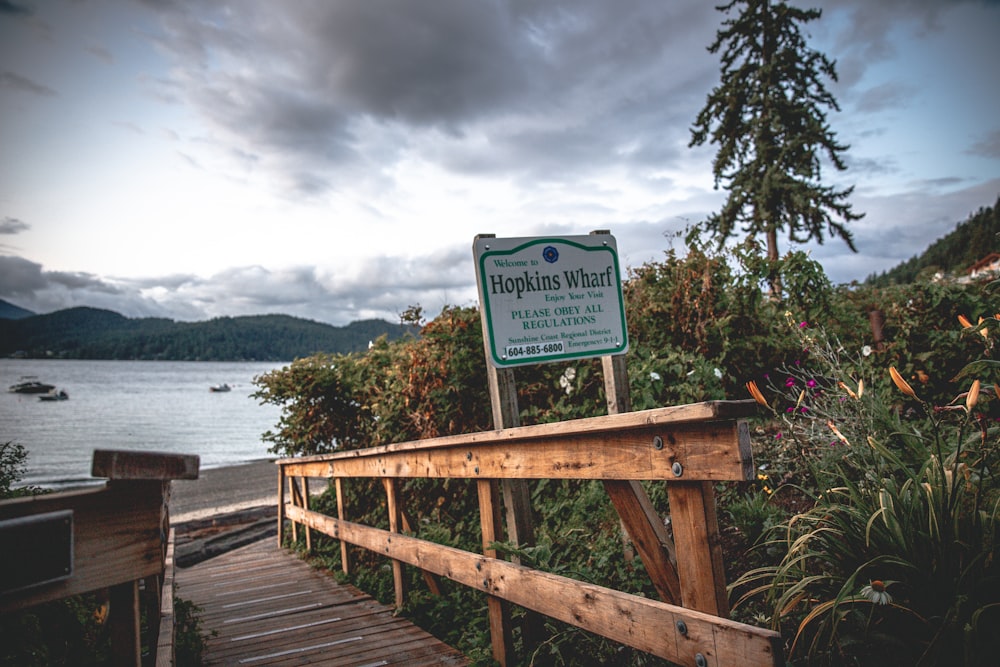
[[162, 406]]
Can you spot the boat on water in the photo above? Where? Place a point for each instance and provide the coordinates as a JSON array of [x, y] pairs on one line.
[[29, 384], [220, 387], [54, 395]]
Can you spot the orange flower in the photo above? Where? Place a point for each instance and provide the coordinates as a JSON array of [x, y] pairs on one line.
[[850, 392], [755, 392], [836, 432], [973, 396], [902, 384], [964, 321]]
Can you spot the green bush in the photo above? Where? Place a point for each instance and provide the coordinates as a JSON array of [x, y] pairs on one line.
[[896, 559], [843, 458]]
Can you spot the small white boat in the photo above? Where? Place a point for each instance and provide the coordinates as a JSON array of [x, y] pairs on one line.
[[29, 384], [220, 387], [54, 395]]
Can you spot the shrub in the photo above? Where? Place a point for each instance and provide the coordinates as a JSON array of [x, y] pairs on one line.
[[896, 561]]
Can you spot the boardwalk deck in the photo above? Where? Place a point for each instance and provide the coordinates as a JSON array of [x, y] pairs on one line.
[[268, 607]]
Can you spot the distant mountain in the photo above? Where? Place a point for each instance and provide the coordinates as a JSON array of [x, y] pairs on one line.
[[91, 333], [952, 254], [9, 311]]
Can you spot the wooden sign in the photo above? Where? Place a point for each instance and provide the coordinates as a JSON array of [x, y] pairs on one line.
[[549, 299]]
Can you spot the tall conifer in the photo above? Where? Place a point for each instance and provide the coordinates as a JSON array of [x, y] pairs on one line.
[[768, 118]]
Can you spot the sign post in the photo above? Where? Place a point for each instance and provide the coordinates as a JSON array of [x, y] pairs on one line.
[[550, 299], [541, 300]]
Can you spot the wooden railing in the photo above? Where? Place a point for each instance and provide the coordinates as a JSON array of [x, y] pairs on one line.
[[114, 537], [690, 448]]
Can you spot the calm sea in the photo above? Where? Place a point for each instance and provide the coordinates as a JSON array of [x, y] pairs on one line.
[[163, 406]]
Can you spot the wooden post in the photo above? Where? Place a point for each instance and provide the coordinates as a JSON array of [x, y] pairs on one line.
[[126, 642], [696, 533], [501, 635], [639, 519], [281, 506], [517, 498], [293, 487], [345, 562], [392, 504], [305, 506]]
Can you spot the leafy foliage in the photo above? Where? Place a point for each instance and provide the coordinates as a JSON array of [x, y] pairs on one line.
[[895, 560]]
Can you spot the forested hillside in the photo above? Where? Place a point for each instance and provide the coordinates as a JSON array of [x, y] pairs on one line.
[[91, 333], [954, 253]]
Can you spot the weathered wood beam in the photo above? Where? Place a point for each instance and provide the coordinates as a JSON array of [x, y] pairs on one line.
[[135, 465], [711, 451], [684, 636], [117, 537]]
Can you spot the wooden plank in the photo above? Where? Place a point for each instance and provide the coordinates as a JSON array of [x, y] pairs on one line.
[[501, 632], [267, 607], [117, 537], [649, 536], [641, 523], [648, 625], [392, 505], [345, 560], [131, 464], [664, 418], [709, 451], [165, 643], [699, 548], [282, 474], [123, 619]]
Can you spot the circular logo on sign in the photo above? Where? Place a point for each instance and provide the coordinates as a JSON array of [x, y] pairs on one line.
[[550, 254]]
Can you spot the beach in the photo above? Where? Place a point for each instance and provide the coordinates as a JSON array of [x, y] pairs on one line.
[[225, 490], [225, 508]]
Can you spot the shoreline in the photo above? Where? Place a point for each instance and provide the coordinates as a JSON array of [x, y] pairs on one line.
[[224, 490]]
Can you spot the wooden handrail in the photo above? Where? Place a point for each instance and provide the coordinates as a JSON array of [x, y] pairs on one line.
[[118, 536], [690, 447]]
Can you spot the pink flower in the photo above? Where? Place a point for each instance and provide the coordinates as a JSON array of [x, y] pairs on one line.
[[790, 382], [810, 383], [803, 325], [777, 436]]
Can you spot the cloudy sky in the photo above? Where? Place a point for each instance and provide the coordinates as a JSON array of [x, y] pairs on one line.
[[335, 160]]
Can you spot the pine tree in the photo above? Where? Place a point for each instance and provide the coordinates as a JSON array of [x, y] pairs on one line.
[[768, 117]]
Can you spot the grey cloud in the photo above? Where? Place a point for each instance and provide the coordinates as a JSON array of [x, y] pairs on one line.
[[902, 225], [14, 9], [886, 96], [19, 277], [101, 53], [20, 84], [333, 88], [988, 146], [11, 225]]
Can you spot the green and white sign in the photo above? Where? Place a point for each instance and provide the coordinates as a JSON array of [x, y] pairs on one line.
[[550, 299]]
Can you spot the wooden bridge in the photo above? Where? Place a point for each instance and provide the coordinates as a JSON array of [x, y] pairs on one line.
[[269, 607], [266, 606]]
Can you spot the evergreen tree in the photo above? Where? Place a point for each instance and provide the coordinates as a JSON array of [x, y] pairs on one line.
[[768, 118]]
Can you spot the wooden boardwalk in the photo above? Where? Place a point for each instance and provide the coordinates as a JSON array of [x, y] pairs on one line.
[[269, 607]]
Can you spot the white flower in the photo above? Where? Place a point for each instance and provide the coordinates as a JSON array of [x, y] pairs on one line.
[[653, 375], [876, 592], [718, 372], [866, 350], [566, 380]]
